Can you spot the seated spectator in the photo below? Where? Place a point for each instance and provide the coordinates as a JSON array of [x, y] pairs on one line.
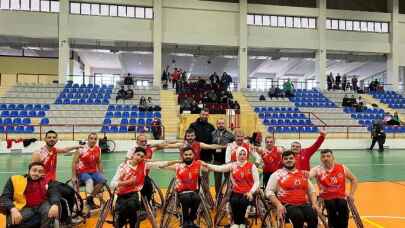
[[143, 106], [346, 102], [128, 80], [236, 105], [195, 109], [262, 98], [272, 92], [156, 128], [130, 93], [288, 88], [392, 120], [185, 105], [27, 201], [121, 94], [212, 97], [149, 105]]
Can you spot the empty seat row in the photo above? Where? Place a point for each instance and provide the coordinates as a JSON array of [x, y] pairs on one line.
[[368, 110], [75, 85], [15, 121], [367, 116], [36, 107], [119, 114], [85, 96], [268, 122], [316, 104], [123, 108], [269, 115], [279, 129], [86, 90], [276, 109], [309, 99], [124, 129], [132, 121], [82, 101], [391, 129], [16, 129], [22, 113]]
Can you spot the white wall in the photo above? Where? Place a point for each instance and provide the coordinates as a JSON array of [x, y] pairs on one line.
[[402, 39]]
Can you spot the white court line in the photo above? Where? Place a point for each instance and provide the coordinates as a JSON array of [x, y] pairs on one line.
[[384, 217]]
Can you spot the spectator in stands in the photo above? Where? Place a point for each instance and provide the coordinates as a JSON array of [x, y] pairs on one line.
[[156, 128], [185, 105], [128, 80], [175, 77], [214, 78], [346, 101], [236, 105], [149, 105], [330, 81], [337, 81], [226, 80], [288, 88], [344, 82], [130, 93], [212, 97], [201, 82], [183, 77], [27, 198], [143, 105], [354, 83], [262, 98], [121, 94], [195, 108], [165, 77], [391, 120]]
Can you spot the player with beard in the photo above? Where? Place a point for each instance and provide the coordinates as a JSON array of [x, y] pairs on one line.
[[187, 185], [331, 177], [271, 157], [291, 191], [27, 199], [303, 155], [47, 155], [245, 182], [128, 182]]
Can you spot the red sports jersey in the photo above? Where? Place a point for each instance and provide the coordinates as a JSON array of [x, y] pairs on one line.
[[49, 158], [272, 160], [292, 187], [187, 176], [235, 146], [332, 183], [148, 152], [242, 178], [88, 159], [196, 148], [128, 172]]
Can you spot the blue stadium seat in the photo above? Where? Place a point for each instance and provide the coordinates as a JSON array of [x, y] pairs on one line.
[[117, 114], [105, 129], [123, 129], [141, 115], [157, 115], [270, 129], [266, 122], [149, 121], [118, 108], [17, 121], [124, 121], [19, 129], [114, 129], [41, 113], [126, 108], [26, 121], [44, 121], [23, 114], [134, 108], [14, 113], [109, 114], [7, 121], [29, 129], [141, 122], [74, 102], [11, 107], [107, 121], [125, 115], [5, 113], [132, 121], [111, 108], [3, 106]]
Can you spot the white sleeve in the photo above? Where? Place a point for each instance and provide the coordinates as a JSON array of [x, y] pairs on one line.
[[228, 153], [130, 152], [114, 181], [221, 168], [311, 188], [155, 164], [256, 180], [271, 187]]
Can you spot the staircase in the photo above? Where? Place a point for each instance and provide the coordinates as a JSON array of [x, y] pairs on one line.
[[249, 121], [170, 113]]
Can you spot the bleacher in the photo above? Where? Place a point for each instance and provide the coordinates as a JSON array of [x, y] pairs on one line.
[[90, 94], [391, 98], [311, 98]]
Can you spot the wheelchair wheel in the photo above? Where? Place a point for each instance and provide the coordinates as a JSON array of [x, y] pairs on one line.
[[221, 194], [354, 212], [171, 214], [271, 220], [104, 211], [207, 193], [203, 213], [222, 210], [157, 200], [149, 214], [111, 145], [323, 218], [170, 189]]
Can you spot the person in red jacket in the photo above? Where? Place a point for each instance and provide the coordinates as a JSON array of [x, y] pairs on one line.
[[48, 154], [245, 182], [291, 191], [128, 182], [303, 156], [271, 157], [331, 178], [87, 167]]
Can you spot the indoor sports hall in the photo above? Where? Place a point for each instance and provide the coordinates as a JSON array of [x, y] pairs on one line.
[[142, 73]]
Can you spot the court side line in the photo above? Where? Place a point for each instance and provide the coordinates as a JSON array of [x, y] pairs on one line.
[[371, 222], [383, 217]]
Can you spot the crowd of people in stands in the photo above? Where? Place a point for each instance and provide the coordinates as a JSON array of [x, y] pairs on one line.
[[342, 83], [375, 86], [123, 94], [358, 103], [276, 92], [392, 120]]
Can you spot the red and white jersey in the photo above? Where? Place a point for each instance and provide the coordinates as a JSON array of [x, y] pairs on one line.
[[148, 149], [230, 155], [88, 159], [196, 145], [271, 159], [127, 172], [332, 183], [187, 176], [290, 187], [242, 178], [49, 158]]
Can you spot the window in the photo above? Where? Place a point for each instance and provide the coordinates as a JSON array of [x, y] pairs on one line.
[[25, 5], [304, 22], [335, 24], [328, 24], [363, 26], [312, 23], [266, 20], [95, 9], [54, 6], [377, 27], [104, 10], [281, 21], [14, 4], [122, 11], [4, 5], [140, 12], [342, 25], [85, 9], [289, 22], [45, 6], [148, 13], [356, 25], [370, 26], [384, 27], [130, 11], [349, 25], [258, 20], [297, 22], [113, 11], [75, 8], [359, 26], [273, 21], [250, 20]]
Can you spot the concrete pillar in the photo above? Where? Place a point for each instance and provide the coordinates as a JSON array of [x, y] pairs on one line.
[[393, 56], [63, 40], [157, 42], [243, 45], [320, 54]]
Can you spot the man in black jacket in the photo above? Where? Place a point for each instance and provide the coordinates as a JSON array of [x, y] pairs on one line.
[[378, 135], [28, 201], [203, 132]]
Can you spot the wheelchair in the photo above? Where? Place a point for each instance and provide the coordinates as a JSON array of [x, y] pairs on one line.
[[224, 210], [353, 213], [109, 208], [172, 213], [157, 200]]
